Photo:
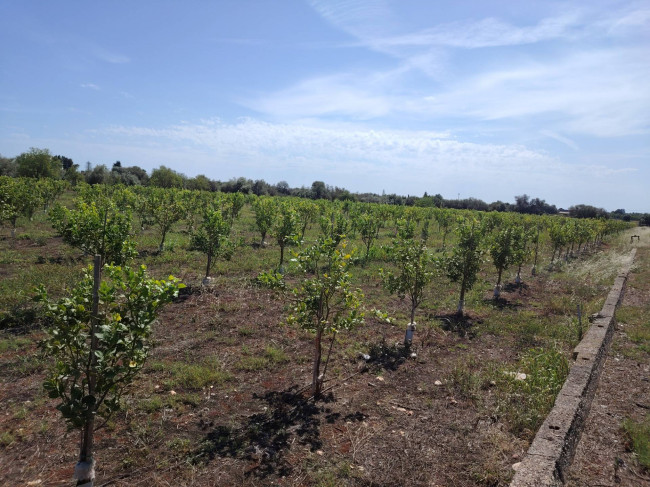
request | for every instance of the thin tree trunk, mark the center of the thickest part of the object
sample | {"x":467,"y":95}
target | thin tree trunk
{"x":461,"y":301}
{"x":207,"y":268}
{"x":84,"y":470}
{"x":497,"y":287}
{"x":316,"y":382}
{"x":162,"y":241}
{"x":329,"y":354}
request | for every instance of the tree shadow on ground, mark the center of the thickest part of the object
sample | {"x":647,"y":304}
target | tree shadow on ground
{"x":388,"y":357}
{"x":511,"y":287}
{"x":501,"y":303}
{"x":265,"y":437}
{"x":461,"y":324}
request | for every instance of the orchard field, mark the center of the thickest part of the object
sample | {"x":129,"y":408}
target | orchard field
{"x":232,"y":391}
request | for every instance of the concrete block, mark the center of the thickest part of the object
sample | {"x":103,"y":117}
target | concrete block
{"x":554,"y":445}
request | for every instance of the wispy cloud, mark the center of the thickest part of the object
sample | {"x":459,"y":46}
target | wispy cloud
{"x":90,"y":86}
{"x":108,"y":56}
{"x":565,"y":140}
{"x":378,"y":154}
{"x":489,"y":32}
{"x":600,"y":93}
{"x":339,"y":95}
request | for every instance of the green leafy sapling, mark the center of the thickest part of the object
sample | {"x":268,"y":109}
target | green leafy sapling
{"x":99,"y":341}
{"x":286,"y":229}
{"x":96,"y":228}
{"x":368,"y":225}
{"x":265,"y":210}
{"x":213,"y":238}
{"x":465,"y":260}
{"x":325,"y":302}
{"x":502,"y":251}
{"x":414,"y":270}
{"x":17,"y":198}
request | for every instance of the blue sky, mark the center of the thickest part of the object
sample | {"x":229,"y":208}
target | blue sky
{"x":484,"y":99}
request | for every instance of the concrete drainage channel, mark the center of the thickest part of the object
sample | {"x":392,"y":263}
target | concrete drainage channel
{"x":553,"y":448}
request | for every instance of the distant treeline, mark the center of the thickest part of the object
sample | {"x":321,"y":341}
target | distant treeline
{"x":40,"y":163}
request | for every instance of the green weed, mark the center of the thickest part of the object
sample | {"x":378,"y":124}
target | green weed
{"x":198,"y":376}
{"x":639,"y":436}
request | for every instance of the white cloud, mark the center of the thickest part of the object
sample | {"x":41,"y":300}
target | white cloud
{"x":489,"y":32}
{"x":390,"y":155}
{"x":91,"y":86}
{"x":600,"y":93}
{"x":329,"y":95}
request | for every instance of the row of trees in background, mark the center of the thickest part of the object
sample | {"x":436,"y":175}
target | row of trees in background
{"x":510,"y":239}
{"x":39,"y":163}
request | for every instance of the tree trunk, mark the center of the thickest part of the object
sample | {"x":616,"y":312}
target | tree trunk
{"x":85,"y":469}
{"x":207,"y":267}
{"x":497,"y":287}
{"x":162,"y":241}
{"x":316,"y":383}
{"x":461,"y":301}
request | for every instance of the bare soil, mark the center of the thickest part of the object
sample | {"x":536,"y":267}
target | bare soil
{"x":388,"y":421}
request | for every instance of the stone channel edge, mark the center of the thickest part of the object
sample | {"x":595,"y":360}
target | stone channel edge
{"x":554,"y":445}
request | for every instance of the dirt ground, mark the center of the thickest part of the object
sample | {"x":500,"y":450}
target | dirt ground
{"x":222,"y":402}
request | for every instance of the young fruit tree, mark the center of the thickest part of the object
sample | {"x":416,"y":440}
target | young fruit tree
{"x":17,"y":198}
{"x":166,"y":207}
{"x":502,"y":251}
{"x":465,"y":260}
{"x":99,"y":341}
{"x":96,"y":229}
{"x":307,"y":212}
{"x":522,"y":235}
{"x":286,"y":229}
{"x":540,"y":224}
{"x":414,"y":271}
{"x":213,"y":238}
{"x":265,"y":210}
{"x":325,"y":303}
{"x":368,"y":225}
{"x":333,"y":224}
{"x":444,"y":218}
